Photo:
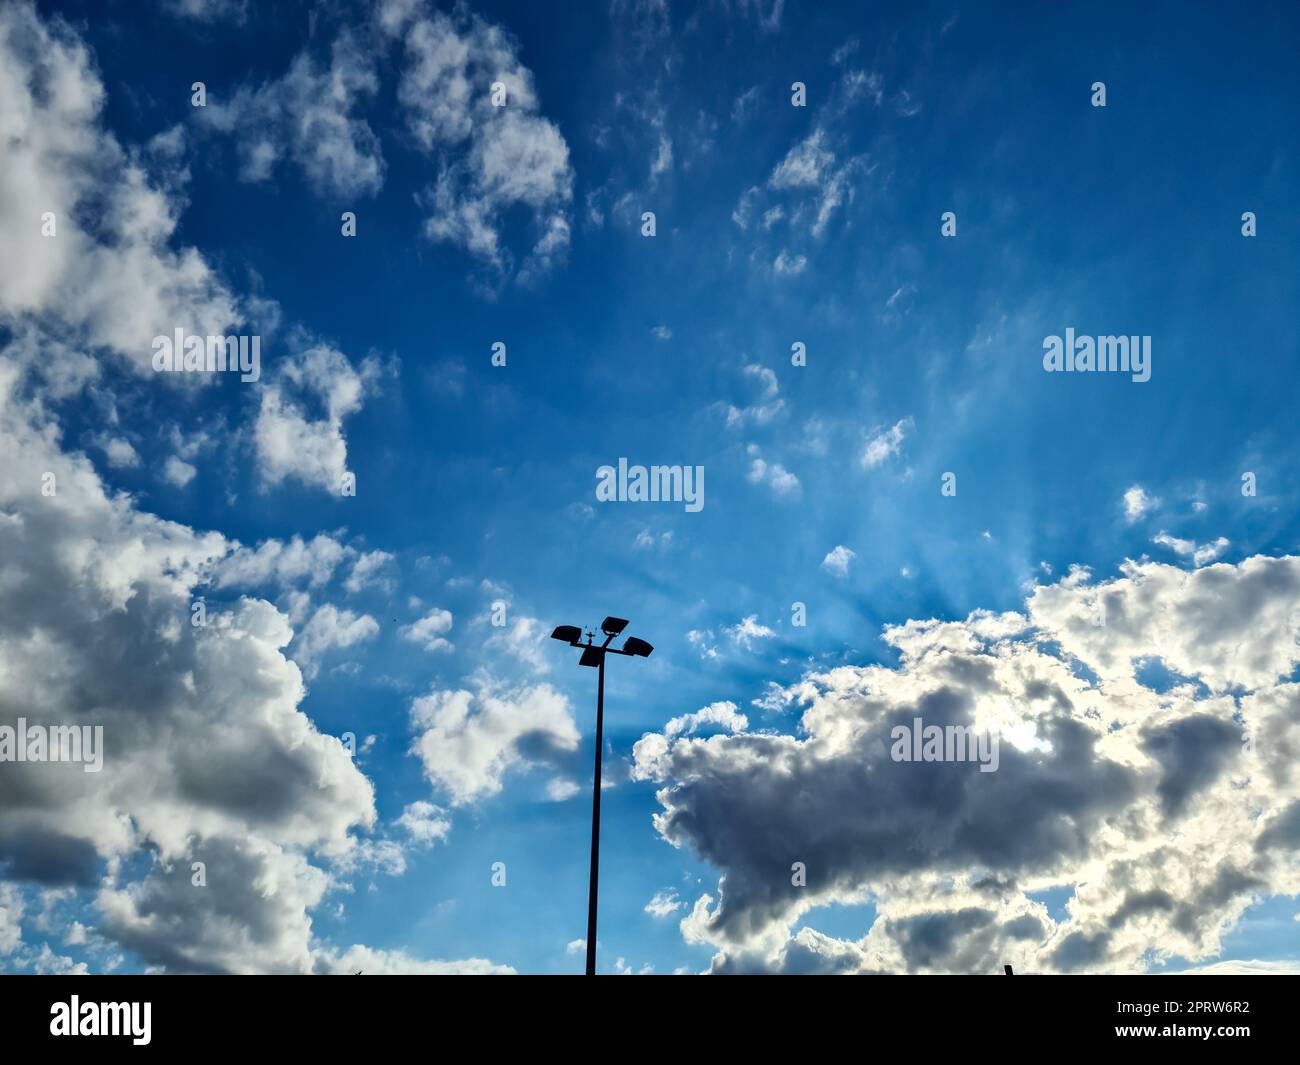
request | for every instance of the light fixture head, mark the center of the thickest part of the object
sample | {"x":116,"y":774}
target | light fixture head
{"x":591,"y":656}
{"x":613,"y":626}
{"x":570,"y":634}
{"x":635,"y":646}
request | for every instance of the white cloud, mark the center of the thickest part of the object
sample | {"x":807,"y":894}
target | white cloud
{"x":651,"y":751}
{"x":421,"y":825}
{"x":647,"y":541}
{"x":115,"y":283}
{"x":120,"y":454}
{"x":1137,"y":503}
{"x":386,"y":857}
{"x":837,"y":560}
{"x":775,"y":699}
{"x":1244,"y":967}
{"x":429,"y":630}
{"x":330,"y":629}
{"x":773,"y":474}
{"x":746,"y":631}
{"x":767,"y":15}
{"x":178,"y":472}
{"x":559,"y":790}
{"x":766,"y":407}
{"x":522,"y":643}
{"x":1200,"y":554}
{"x":805,"y":165}
{"x":210,"y":759}
{"x":649,"y":21}
{"x":1146,"y":804}
{"x":766,"y":379}
{"x":811,"y":183}
{"x":788,"y":264}
{"x":281,"y":562}
{"x":664,"y":903}
{"x":744,"y":209}
{"x":663,"y":159}
{"x":703,"y":641}
{"x":312,"y":115}
{"x":885,"y":445}
{"x":491,"y":160}
{"x":723,"y":715}
{"x":370,"y":961}
{"x":468,"y":740}
{"x":47,"y":963}
{"x":365,"y":572}
{"x":745,"y":104}
{"x":208,"y":753}
{"x":290,"y":444}
{"x":424,"y":823}
{"x":11,"y":918}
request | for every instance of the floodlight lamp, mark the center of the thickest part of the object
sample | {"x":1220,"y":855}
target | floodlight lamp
{"x":570,"y":634}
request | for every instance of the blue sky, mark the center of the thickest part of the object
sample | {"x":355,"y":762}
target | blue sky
{"x":775,"y":225}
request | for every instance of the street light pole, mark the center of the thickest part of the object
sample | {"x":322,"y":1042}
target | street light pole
{"x":595,"y":822}
{"x":593,"y":655}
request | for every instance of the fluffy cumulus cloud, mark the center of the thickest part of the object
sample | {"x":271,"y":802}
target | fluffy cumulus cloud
{"x":467,"y":740}
{"x":429,"y":630}
{"x":120,"y":453}
{"x":109,"y":277}
{"x":207,"y":754}
{"x":327,"y":629}
{"x":424,"y":823}
{"x":11,"y":915}
{"x":367,"y":572}
{"x":650,"y":754}
{"x":281,"y":562}
{"x":1162,"y":809}
{"x":1200,"y":554}
{"x":491,"y":159}
{"x":117,"y":283}
{"x":207,"y":757}
{"x":299,"y":429}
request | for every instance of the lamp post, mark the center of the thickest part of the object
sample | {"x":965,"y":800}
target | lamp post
{"x":594,"y":655}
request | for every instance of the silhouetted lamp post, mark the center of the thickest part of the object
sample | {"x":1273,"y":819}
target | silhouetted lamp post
{"x":593,"y":655}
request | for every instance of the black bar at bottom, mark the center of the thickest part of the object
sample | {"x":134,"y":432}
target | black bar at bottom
{"x":1024,"y":1014}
